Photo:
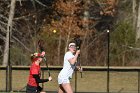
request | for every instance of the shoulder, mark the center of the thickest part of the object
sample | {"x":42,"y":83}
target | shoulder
{"x":68,"y":53}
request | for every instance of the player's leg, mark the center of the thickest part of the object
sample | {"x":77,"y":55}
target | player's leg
{"x":67,"y":87}
{"x":61,"y":89}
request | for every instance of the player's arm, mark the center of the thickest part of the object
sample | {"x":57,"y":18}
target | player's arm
{"x":38,"y":80}
{"x":74,"y":59}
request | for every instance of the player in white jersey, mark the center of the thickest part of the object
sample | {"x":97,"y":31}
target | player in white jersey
{"x":65,"y":74}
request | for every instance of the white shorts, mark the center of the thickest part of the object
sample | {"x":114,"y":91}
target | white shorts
{"x":63,"y":80}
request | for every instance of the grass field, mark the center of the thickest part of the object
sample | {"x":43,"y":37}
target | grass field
{"x":92,"y":81}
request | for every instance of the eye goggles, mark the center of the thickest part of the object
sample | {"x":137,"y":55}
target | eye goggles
{"x":72,"y":46}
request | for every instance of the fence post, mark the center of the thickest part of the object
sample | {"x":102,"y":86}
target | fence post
{"x":8,"y":78}
{"x":108,"y":63}
{"x":75,"y":81}
{"x":138,"y":81}
{"x":43,"y":78}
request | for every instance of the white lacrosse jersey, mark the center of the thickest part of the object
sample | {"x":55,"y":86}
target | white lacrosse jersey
{"x":68,"y":68}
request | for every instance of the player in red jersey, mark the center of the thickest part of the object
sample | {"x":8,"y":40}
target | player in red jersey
{"x":34,"y":77}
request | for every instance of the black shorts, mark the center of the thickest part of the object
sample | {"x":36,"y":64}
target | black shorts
{"x":32,"y":89}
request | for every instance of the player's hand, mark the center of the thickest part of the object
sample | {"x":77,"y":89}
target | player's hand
{"x":80,"y":69}
{"x":50,"y":78}
{"x":43,"y":53}
{"x":77,"y":52}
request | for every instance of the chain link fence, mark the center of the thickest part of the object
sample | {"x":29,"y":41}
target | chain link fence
{"x":94,"y":80}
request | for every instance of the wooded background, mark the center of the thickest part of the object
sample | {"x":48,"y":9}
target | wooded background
{"x":27,"y":21}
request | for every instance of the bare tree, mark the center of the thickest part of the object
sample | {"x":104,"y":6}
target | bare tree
{"x":9,"y":29}
{"x":134,"y":8}
{"x":138,"y":23}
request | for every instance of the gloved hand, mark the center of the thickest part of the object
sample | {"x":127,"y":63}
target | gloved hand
{"x":80,"y":69}
{"x":50,"y":78}
{"x":43,"y":53}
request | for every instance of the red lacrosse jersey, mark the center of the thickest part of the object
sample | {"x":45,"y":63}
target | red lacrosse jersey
{"x":34,"y":69}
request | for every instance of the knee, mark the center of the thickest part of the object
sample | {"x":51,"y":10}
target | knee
{"x":70,"y":92}
{"x":43,"y":92}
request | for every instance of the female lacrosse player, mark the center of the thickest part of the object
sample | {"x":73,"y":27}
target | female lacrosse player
{"x":68,"y":68}
{"x":34,"y":77}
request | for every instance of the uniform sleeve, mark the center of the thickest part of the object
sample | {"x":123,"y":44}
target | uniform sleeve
{"x":69,"y":55}
{"x":38,"y":80}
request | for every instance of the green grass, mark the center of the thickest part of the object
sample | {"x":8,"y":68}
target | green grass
{"x":91,"y":81}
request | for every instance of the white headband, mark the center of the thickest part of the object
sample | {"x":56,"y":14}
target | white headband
{"x":71,"y":44}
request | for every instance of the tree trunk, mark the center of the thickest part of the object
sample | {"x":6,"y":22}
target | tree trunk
{"x":59,"y":49}
{"x":86,"y":26}
{"x":9,"y":29}
{"x":138,"y":23}
{"x":68,"y":36}
{"x":134,"y":14}
{"x":67,"y":40}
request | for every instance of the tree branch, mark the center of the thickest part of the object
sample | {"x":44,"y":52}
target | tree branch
{"x":21,"y":43}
